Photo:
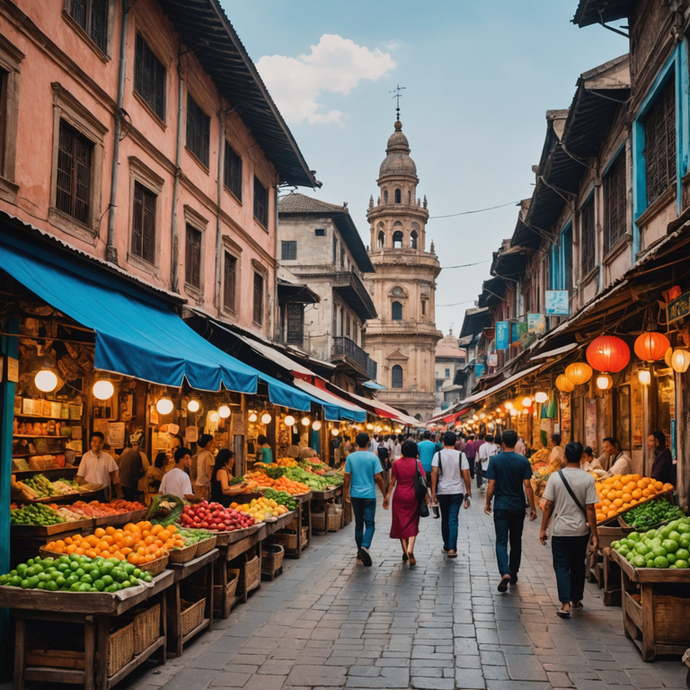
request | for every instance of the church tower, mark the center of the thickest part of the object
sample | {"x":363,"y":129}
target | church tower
{"x":402,"y":339}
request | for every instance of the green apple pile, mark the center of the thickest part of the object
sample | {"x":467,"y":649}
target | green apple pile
{"x":667,"y":547}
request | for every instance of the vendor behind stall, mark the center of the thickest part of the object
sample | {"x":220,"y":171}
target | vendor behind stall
{"x":263,"y":452}
{"x":98,"y":467}
{"x":133,"y":465}
{"x":204,"y":466}
{"x":221,"y":489}
{"x":177,"y":481}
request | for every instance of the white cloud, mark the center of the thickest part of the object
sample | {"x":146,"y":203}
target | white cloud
{"x":335,"y":65}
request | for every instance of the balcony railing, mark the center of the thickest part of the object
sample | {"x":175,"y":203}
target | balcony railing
{"x":346,"y":349}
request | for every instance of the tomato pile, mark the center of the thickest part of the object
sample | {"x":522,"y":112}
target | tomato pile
{"x":214,"y":516}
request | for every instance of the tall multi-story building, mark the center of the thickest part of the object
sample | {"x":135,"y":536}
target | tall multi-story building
{"x":402,"y":338}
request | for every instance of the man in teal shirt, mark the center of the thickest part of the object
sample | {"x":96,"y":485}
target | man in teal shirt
{"x":363,"y":473}
{"x":426,"y":450}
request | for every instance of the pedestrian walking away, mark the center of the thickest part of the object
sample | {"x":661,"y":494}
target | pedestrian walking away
{"x":426,"y":449}
{"x":451,"y":484}
{"x":363,"y":474}
{"x":487,"y":450}
{"x":405,"y":517}
{"x":470,"y":453}
{"x":570,"y":496}
{"x":509,"y":476}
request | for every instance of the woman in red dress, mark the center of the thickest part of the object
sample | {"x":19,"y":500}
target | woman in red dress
{"x":405,"y":524}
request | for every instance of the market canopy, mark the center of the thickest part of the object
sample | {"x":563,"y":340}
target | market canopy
{"x":134,"y":337}
{"x":335,"y":408}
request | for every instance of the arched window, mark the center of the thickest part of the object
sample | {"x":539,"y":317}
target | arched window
{"x":385,"y":196}
{"x":397,"y":311}
{"x":398,"y":196}
{"x":381,"y":240}
{"x":409,"y":198}
{"x":397,"y":377}
{"x":413,"y":239}
{"x":397,"y":239}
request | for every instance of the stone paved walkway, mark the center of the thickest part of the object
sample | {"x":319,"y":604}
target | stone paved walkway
{"x":328,"y":622}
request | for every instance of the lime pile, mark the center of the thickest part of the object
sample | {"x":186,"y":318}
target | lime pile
{"x":667,"y":547}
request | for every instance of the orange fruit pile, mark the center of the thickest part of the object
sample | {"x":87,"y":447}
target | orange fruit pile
{"x":622,"y":492}
{"x":138,"y":543}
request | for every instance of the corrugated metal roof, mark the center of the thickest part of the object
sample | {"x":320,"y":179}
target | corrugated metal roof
{"x":205,"y":29}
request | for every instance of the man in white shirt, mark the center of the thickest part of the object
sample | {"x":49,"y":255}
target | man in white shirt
{"x":619,"y":462}
{"x":177,"y":482}
{"x":450,"y":481}
{"x":486,"y":451}
{"x":99,"y":467}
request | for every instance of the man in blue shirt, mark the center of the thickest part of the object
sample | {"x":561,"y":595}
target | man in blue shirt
{"x":363,"y":473}
{"x":509,"y":476}
{"x":426,"y":450}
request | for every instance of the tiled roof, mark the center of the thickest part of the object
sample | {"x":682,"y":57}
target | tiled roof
{"x":300,"y":203}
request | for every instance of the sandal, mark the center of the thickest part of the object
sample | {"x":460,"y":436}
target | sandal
{"x":503,"y":584}
{"x":563,"y":614}
{"x":452,"y":554}
{"x":577,"y":607}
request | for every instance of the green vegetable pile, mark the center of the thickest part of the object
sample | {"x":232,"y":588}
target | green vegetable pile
{"x":667,"y":547}
{"x":165,"y":509}
{"x":314,"y":482}
{"x":274,"y":471}
{"x":652,"y":514}
{"x":36,"y":514}
{"x":236,"y":480}
{"x":75,"y":574}
{"x":281,"y":497}
{"x":193,"y":536}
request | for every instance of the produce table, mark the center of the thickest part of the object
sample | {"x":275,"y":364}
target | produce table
{"x":659,"y":623}
{"x":181,"y":571}
{"x":321,"y":499}
{"x":93,"y":610}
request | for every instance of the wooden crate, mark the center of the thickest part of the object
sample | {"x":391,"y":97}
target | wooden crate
{"x":55,"y":658}
{"x":612,"y":579}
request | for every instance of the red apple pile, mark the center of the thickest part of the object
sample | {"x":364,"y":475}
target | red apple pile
{"x":214,"y":517}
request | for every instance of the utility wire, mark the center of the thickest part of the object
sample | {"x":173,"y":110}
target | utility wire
{"x":479,"y":210}
{"x":476,"y":263}
{"x":455,"y":304}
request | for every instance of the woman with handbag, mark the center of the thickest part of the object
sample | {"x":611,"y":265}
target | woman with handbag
{"x":570,"y":499}
{"x":409,"y":500}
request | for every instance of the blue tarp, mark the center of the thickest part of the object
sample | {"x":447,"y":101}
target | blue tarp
{"x":140,"y":338}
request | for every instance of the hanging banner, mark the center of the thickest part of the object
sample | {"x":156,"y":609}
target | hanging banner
{"x":493,"y":359}
{"x":479,"y":370}
{"x":556,"y":303}
{"x":519,"y":329}
{"x":678,"y":308}
{"x":536,"y":323}
{"x":502,"y":335}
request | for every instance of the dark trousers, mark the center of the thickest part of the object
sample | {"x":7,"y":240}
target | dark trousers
{"x":509,"y":524}
{"x":450,"y":510}
{"x":130,"y":494}
{"x":471,"y":462}
{"x":478,"y":473}
{"x":364,"y":511}
{"x":569,"y":555}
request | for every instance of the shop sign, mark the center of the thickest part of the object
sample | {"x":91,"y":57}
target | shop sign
{"x":556,"y":303}
{"x":678,"y":308}
{"x":479,"y":370}
{"x":536,"y":323}
{"x":493,"y":359}
{"x":116,"y":434}
{"x":12,"y":370}
{"x":502,"y":335}
{"x":519,"y":329}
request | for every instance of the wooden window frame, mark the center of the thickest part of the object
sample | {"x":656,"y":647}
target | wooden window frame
{"x":140,"y":173}
{"x":231,"y":248}
{"x":227,"y":306}
{"x":588,"y":238}
{"x":10,"y":57}
{"x":260,"y":307}
{"x":194,"y":220}
{"x":261,"y":210}
{"x":393,"y":310}
{"x":104,"y":49}
{"x":194,"y":112}
{"x":143,"y":201}
{"x":189,"y":232}
{"x":293,"y":306}
{"x":660,"y":146}
{"x":395,"y":369}
{"x":140,"y":77}
{"x":615,"y":191}
{"x":288,"y":250}
{"x":233,"y":183}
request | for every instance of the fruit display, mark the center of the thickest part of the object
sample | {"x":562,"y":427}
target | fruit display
{"x":75,"y":573}
{"x":214,"y":517}
{"x":652,"y":514}
{"x":667,"y":547}
{"x":165,"y":509}
{"x":314,"y":482}
{"x":39,"y":486}
{"x":258,"y":481}
{"x":192,"y":536}
{"x":138,"y":543}
{"x":621,"y":492}
{"x":36,"y":514}
{"x":286,"y":462}
{"x":261,"y":509}
{"x":281,"y":497}
{"x":274,"y":471}
{"x":126,"y":506}
{"x":94,"y":509}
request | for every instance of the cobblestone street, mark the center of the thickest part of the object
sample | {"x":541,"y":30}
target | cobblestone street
{"x":327,"y":622}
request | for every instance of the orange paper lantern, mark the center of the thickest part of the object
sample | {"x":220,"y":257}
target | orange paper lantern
{"x":608,"y":353}
{"x":564,"y":384}
{"x":578,"y":373}
{"x":651,"y":346}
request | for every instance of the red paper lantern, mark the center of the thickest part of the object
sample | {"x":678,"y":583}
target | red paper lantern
{"x":651,"y":346}
{"x":608,"y":353}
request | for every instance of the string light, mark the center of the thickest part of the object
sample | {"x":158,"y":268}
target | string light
{"x":193,"y":405}
{"x":266,"y":418}
{"x":316,"y":425}
{"x":289,"y":420}
{"x":164,"y":406}
{"x":103,"y":390}
{"x":306,"y":421}
{"x":46,"y":380}
{"x":223,"y":411}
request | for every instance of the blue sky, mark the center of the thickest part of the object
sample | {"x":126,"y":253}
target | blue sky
{"x":479,"y":78}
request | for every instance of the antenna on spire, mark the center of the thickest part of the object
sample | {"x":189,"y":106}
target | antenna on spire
{"x":397,"y":97}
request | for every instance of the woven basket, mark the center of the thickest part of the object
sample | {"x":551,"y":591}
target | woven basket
{"x":120,"y":648}
{"x":185,"y":554}
{"x":147,"y":625}
{"x":289,"y":541}
{"x":305,"y":538}
{"x":220,"y":597}
{"x":272,"y":559}
{"x":318,"y":521}
{"x":206,"y":545}
{"x":192,"y":615}
{"x":251,"y":574}
{"x":155,"y":567}
{"x":335,"y":517}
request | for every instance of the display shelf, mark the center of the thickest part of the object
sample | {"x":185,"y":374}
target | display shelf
{"x":39,"y":436}
{"x":42,"y":416}
{"x":86,"y":496}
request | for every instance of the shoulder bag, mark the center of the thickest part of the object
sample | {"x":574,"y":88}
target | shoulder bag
{"x":420,"y":490}
{"x":572,"y":493}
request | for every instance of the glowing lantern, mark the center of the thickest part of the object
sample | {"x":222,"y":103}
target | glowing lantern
{"x":213,"y":417}
{"x":482,"y":415}
{"x":578,"y":373}
{"x":165,"y":406}
{"x":608,"y":353}
{"x":46,"y":380}
{"x":680,"y":360}
{"x":514,"y":413}
{"x":527,"y":401}
{"x":266,"y":418}
{"x":667,"y":356}
{"x":517,"y":405}
{"x":289,"y":420}
{"x":193,"y":405}
{"x":651,"y":346}
{"x":316,"y":425}
{"x":223,"y":411}
{"x":335,"y":432}
{"x":644,"y":376}
{"x":604,"y":382}
{"x":306,"y":421}
{"x":252,"y":417}
{"x":103,"y":390}
{"x":508,"y":404}
{"x":541,"y":397}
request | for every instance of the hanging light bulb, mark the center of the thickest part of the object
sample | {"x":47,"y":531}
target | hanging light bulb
{"x":316,"y":425}
{"x":165,"y":406}
{"x":527,"y":401}
{"x":644,"y":376}
{"x":514,"y":413}
{"x":266,"y":418}
{"x":370,"y":426}
{"x":508,"y":404}
{"x":335,"y":432}
{"x":475,"y":417}
{"x":482,"y":415}
{"x":289,"y":420}
{"x":525,"y":411}
{"x":498,"y":410}
{"x":103,"y":390}
{"x":604,"y":382}
{"x":306,"y":421}
{"x":46,"y":380}
{"x":541,"y":397}
{"x":193,"y":405}
{"x":223,"y":411}
{"x":213,"y":417}
{"x":253,"y":417}
{"x":377,"y":429}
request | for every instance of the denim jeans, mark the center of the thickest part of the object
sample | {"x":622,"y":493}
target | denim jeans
{"x":509,"y":524}
{"x":364,"y":510}
{"x":450,"y":508}
{"x":569,"y":555}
